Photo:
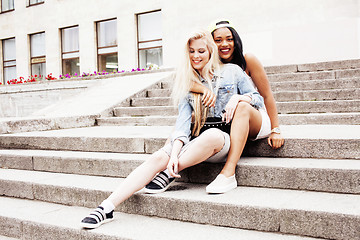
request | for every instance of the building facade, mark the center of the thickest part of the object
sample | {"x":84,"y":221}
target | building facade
{"x":39,"y":37}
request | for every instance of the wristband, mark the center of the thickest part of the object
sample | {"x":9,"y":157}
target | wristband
{"x":276,"y":130}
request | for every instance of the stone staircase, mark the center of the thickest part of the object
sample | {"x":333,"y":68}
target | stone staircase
{"x":327,"y":95}
{"x":310,"y":188}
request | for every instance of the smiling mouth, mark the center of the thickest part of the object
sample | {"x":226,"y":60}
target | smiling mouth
{"x":225,"y":51}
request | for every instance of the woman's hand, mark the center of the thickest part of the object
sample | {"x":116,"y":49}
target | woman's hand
{"x":173,"y":167}
{"x":232,"y":105}
{"x":208,"y":98}
{"x":276,"y":140}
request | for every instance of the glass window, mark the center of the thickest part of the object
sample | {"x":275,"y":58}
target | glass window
{"x":70,"y":39}
{"x":70,"y":50}
{"x":149,"y":39}
{"x":107,"y":45}
{"x":71,"y":66}
{"x":37,"y":54}
{"x":106,"y":33}
{"x":9,"y":59}
{"x":37,"y":45}
{"x":150,"y":56}
{"x":7,"y":5}
{"x":35,"y":2}
{"x":149,"y":26}
{"x":9,"y":49}
{"x":108,"y":62}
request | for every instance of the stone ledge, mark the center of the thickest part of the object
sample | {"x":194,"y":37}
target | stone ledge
{"x":303,"y":141}
{"x":29,"y":124}
{"x":326,"y":175}
{"x":313,"y":67}
{"x":247,"y":208}
{"x":44,"y":221}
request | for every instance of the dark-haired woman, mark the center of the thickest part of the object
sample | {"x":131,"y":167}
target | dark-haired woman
{"x":255,"y":125}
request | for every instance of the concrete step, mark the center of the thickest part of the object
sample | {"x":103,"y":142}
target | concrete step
{"x":280,"y":96}
{"x":138,"y":121}
{"x":338,"y":106}
{"x":326,"y":84}
{"x":26,"y":124}
{"x":151,"y":101}
{"x":44,"y":221}
{"x":303,"y":141}
{"x":313,"y":67}
{"x":7,"y":238}
{"x":329,"y":106}
{"x":320,"y":118}
{"x":326,"y":215}
{"x":326,"y":175}
{"x":332,"y":65}
{"x":302,"y":76}
{"x":285,"y":119}
{"x":348,"y":73}
{"x":318,"y":95}
{"x":145,"y":111}
{"x":166,"y":92}
{"x":318,"y":75}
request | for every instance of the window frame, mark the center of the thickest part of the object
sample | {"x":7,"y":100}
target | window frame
{"x":6,"y":11}
{"x":3,"y":58}
{"x":98,"y":55}
{"x":28,"y":4}
{"x":62,"y":49}
{"x":146,"y":41}
{"x":42,"y":58}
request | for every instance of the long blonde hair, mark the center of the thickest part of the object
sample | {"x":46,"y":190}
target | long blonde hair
{"x":187,"y":75}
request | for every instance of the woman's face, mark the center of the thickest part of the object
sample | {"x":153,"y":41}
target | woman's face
{"x":225,"y":43}
{"x":199,"y":54}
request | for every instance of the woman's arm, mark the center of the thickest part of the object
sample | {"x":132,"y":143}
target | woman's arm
{"x":183,"y":123}
{"x":233,"y":74}
{"x":173,"y":165}
{"x":209,"y":98}
{"x":257,"y":73}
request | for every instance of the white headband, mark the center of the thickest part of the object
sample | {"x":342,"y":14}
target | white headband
{"x":215,"y":26}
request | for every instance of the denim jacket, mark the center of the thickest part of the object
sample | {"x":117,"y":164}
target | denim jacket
{"x":231,"y":80}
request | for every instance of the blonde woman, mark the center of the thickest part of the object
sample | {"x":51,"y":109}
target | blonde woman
{"x":247,"y":123}
{"x":189,"y":145}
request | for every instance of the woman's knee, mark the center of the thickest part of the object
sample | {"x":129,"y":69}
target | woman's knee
{"x":158,"y":158}
{"x":214,"y":137}
{"x":242,"y":109}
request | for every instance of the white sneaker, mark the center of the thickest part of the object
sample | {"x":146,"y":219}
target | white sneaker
{"x":222,"y":184}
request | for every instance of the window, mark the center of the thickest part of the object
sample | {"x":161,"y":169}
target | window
{"x":35,"y":2}
{"x":37,"y":54}
{"x":9,"y":59}
{"x":70,"y":50}
{"x":149,"y":39}
{"x":107,"y":46}
{"x":7,"y":5}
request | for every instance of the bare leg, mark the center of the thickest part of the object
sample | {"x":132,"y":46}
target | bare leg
{"x":207,"y":144}
{"x":139,"y":177}
{"x":134,"y":182}
{"x":246,"y":122}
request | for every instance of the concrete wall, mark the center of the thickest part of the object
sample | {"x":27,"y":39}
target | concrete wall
{"x":277,"y":31}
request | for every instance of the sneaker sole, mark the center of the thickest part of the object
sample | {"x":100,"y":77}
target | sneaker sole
{"x":154,"y":191}
{"x":223,"y":189}
{"x":93,"y":226}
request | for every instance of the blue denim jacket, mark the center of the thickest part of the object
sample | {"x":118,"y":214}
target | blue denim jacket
{"x":231,"y":80}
